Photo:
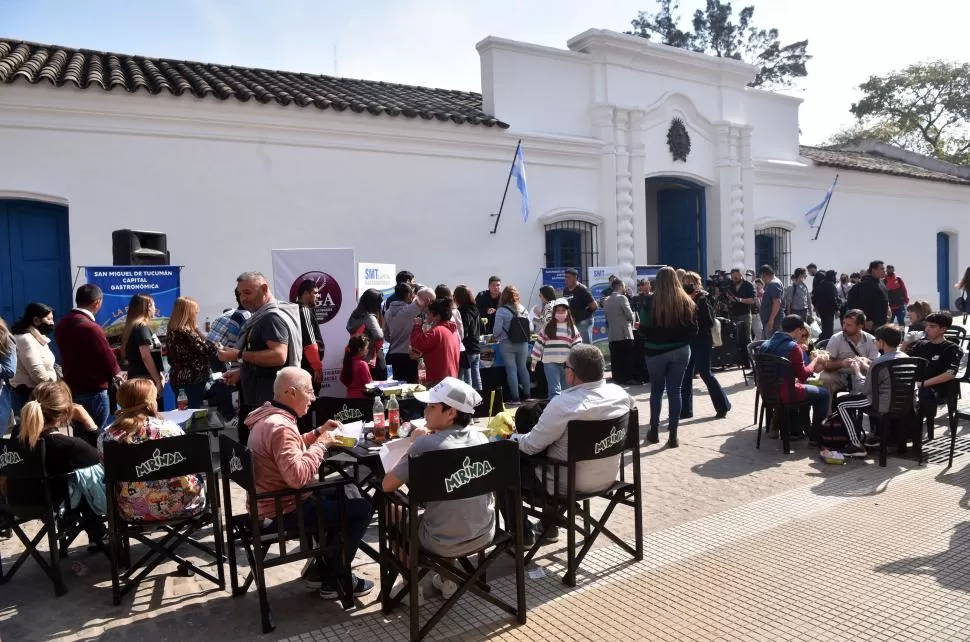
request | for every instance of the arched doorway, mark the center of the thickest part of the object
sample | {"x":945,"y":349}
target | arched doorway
{"x":677,"y":219}
{"x":35,"y":262}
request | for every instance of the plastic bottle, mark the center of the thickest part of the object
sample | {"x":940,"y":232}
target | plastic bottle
{"x":422,"y":373}
{"x":379,"y":425}
{"x":208,"y":325}
{"x":183,"y":400}
{"x":393,"y":417}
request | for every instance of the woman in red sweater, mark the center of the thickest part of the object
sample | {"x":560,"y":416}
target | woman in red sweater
{"x":439,"y":346}
{"x":356,"y":371}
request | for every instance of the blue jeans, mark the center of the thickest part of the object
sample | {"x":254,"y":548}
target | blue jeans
{"x":516,"y":357}
{"x":900,"y":316}
{"x":359,"y":512}
{"x":585,"y":327}
{"x":818,"y":397}
{"x":472,"y":375}
{"x":97,"y":406}
{"x":555,"y":378}
{"x":700,"y":361}
{"x":667,"y":372}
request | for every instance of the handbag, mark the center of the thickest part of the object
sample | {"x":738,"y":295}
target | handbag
{"x":716,"y":333}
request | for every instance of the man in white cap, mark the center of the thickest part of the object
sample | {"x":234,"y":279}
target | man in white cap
{"x":457,"y":527}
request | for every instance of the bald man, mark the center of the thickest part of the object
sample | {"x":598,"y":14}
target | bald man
{"x":264,"y":346}
{"x":283,"y":458}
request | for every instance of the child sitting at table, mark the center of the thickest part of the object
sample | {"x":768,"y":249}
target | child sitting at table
{"x":356,"y":373}
{"x":461,"y":526}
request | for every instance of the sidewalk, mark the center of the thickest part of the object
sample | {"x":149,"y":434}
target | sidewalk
{"x":741,"y":544}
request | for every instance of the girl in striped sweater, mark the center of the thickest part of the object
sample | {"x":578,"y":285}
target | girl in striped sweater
{"x":553,"y":345}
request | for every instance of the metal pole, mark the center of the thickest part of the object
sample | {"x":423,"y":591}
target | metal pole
{"x":498,"y":215}
{"x":818,"y":230}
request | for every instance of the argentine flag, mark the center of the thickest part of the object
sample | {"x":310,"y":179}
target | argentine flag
{"x":812,"y":215}
{"x":518,"y":171}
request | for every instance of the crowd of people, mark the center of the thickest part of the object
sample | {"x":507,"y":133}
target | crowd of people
{"x":664,"y":333}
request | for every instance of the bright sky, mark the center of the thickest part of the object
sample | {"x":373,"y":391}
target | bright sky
{"x":432,"y":42}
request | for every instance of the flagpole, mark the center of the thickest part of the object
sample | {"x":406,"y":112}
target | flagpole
{"x":498,"y":215}
{"x":818,"y":230}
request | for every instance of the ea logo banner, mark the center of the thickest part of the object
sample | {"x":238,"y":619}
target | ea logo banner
{"x":330,"y":295}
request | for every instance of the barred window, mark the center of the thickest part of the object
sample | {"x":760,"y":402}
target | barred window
{"x":772,"y":246}
{"x":572,"y":244}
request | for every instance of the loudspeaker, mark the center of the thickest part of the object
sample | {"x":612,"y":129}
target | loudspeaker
{"x":727,"y":354}
{"x":132,"y":247}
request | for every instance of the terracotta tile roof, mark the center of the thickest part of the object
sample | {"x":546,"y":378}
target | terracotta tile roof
{"x":60,"y":66}
{"x":864,"y":161}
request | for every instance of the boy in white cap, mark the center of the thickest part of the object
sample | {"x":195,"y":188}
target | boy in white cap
{"x":457,"y":527}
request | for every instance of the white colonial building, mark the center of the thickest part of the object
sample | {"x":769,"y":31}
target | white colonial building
{"x":636,"y":153}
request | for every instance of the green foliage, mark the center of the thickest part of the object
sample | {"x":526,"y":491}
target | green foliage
{"x":714,"y":33}
{"x":924,"y":108}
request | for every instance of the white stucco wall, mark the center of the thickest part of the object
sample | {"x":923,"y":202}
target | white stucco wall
{"x":870,"y":217}
{"x":229,"y":182}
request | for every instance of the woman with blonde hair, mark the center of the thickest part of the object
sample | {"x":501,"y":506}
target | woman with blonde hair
{"x":138,"y":421}
{"x":670,"y":329}
{"x":8,"y":368}
{"x":701,"y":348}
{"x":139,"y":343}
{"x":189,"y":352}
{"x":510,"y":324}
{"x":48,"y":418}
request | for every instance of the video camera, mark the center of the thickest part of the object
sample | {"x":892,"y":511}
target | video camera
{"x":718,"y":282}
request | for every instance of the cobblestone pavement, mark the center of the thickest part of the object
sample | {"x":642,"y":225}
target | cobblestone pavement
{"x":741,"y":544}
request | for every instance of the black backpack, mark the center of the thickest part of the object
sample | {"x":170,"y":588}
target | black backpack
{"x":519,"y":331}
{"x":527,"y":415}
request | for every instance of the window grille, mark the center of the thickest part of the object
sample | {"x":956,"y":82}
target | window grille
{"x":572,"y":244}
{"x":773,"y":247}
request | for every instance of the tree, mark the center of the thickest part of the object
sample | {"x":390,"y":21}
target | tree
{"x":715,"y":34}
{"x":924,"y":108}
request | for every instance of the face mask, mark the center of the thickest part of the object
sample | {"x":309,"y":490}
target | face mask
{"x":45,"y":328}
{"x":689,"y":289}
{"x":561,"y":317}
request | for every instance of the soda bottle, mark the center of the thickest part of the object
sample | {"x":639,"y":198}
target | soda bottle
{"x":183,"y":400}
{"x":422,"y":373}
{"x":393,"y":417}
{"x":379,"y":425}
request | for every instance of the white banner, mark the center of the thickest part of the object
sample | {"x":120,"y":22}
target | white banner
{"x":380,"y":276}
{"x":599,"y":287}
{"x":332,"y":269}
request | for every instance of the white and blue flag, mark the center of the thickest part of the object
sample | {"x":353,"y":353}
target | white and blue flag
{"x":518,"y":171}
{"x":813,"y":214}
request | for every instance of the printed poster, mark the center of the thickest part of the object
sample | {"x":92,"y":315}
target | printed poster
{"x":119,"y":282}
{"x":556,"y":277}
{"x":599,"y":287}
{"x":334,"y":272}
{"x":379,"y":276}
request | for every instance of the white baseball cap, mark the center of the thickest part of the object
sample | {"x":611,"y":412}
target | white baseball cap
{"x":452,"y":392}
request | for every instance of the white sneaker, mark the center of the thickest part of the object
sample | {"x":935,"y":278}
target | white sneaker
{"x":447,"y":587}
{"x":399,"y":586}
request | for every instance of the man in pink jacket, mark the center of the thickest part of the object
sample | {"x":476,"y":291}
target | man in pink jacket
{"x":283,"y":458}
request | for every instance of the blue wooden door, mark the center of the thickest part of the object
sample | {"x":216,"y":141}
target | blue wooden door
{"x":35,"y":262}
{"x":764,"y":251}
{"x":943,"y":269}
{"x":680,"y":226}
{"x":564,"y":249}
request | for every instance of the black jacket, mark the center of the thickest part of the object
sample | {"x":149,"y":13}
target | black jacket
{"x":871,"y":296}
{"x":470,"y":319}
{"x":825,"y":297}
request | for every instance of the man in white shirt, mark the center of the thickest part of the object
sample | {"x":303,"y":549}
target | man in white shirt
{"x":852,"y":344}
{"x":588,"y":397}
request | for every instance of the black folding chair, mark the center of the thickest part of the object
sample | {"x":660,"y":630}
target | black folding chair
{"x":900,"y":417}
{"x":544,"y":498}
{"x":341,"y":409}
{"x":754,"y":348}
{"x":23,"y":474}
{"x":772,"y":373}
{"x":159,"y":460}
{"x":442,"y":476}
{"x":247,"y":528}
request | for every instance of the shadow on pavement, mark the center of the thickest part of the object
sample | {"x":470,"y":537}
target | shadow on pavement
{"x":948,"y":567}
